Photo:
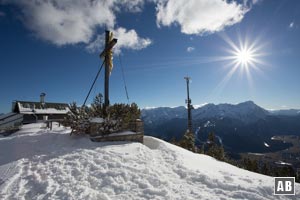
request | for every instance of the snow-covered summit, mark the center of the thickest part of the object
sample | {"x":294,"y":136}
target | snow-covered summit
{"x":36,"y":163}
{"x":247,"y":112}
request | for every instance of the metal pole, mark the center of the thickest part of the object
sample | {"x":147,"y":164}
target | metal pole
{"x":189,"y":107}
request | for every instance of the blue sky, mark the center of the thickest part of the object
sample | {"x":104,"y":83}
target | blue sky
{"x":53,"y":47}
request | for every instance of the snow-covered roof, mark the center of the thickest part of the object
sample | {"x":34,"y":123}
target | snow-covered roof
{"x":27,"y":107}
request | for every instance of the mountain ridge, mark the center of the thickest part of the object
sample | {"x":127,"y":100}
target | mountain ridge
{"x":237,"y":111}
{"x":246,"y":111}
{"x":243,"y":127}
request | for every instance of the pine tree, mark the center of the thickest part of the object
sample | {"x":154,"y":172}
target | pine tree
{"x":211,"y":138}
{"x":173,"y":141}
{"x":250,"y":165}
{"x":73,"y":107}
{"x":78,"y":119}
{"x":216,"y":152}
{"x":119,"y":116}
{"x":97,"y":106}
{"x":213,"y":149}
{"x":188,"y":141}
{"x":135,"y":112}
{"x":69,"y":120}
{"x":265,"y":169}
{"x":124,"y":113}
{"x":254,"y":166}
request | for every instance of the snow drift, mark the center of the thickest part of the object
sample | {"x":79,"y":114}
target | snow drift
{"x":36,"y":163}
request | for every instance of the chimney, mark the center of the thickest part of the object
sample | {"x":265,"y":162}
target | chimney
{"x":42,"y":98}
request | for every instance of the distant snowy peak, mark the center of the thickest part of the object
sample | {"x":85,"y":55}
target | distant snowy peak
{"x":247,"y":112}
{"x":289,"y":112}
{"x":162,"y":113}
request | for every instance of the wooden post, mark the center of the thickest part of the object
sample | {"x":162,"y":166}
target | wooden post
{"x":107,"y":72}
{"x":107,"y":55}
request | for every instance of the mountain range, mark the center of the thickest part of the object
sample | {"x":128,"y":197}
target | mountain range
{"x":241,"y":127}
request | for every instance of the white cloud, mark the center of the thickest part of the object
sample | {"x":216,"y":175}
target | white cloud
{"x":250,"y":3}
{"x":291,"y":25}
{"x":63,"y":22}
{"x":256,"y":1}
{"x":190,"y":49}
{"x":199,"y":16}
{"x":97,"y":45}
{"x":127,"y":39}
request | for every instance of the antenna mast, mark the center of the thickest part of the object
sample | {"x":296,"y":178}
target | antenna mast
{"x":188,"y":101}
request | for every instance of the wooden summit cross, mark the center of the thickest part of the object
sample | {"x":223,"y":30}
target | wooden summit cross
{"x":133,"y":130}
{"x":106,"y":54}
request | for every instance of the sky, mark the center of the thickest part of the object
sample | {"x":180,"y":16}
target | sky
{"x":234,"y":51}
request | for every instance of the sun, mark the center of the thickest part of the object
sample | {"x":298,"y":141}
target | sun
{"x":244,"y":57}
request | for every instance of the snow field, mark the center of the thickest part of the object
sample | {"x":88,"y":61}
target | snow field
{"x":36,"y":163}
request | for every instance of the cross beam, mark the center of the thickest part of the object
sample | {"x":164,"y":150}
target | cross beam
{"x":109,"y":47}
